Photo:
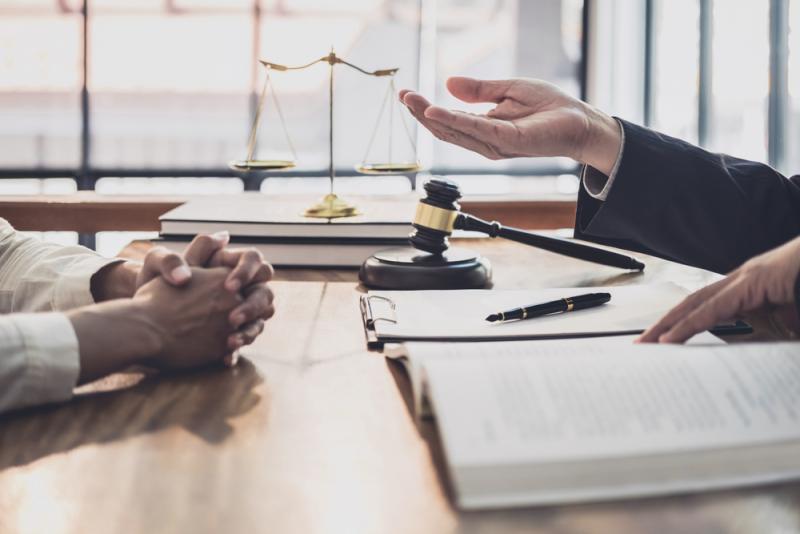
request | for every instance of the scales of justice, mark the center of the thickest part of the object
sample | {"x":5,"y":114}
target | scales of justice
{"x":331,"y":206}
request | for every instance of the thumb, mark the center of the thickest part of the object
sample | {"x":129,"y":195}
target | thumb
{"x":162,"y":262}
{"x":472,"y":90}
{"x":203,"y":247}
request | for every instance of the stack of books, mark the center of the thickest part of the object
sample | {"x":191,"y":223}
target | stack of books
{"x":276,"y":226}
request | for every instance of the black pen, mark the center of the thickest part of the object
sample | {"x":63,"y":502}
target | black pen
{"x":579,"y":302}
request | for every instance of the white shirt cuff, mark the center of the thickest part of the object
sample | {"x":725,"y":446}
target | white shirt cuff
{"x":73,"y":288}
{"x":40,"y":359}
{"x":596,"y":184}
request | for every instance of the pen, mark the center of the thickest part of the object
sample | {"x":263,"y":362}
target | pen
{"x":579,"y":302}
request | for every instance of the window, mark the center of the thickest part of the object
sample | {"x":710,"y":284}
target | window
{"x":171,"y":85}
{"x":675,"y":55}
{"x":156,"y":96}
{"x":740,"y":48}
{"x":40,"y":85}
{"x":725,"y":74}
{"x":792,"y":156}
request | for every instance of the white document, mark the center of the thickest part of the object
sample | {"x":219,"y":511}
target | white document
{"x":423,"y":350}
{"x":534,"y":422}
{"x":461,"y":315}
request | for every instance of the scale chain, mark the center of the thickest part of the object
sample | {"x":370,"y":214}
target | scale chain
{"x":386,"y":98}
{"x":281,"y":118}
{"x":251,"y":144}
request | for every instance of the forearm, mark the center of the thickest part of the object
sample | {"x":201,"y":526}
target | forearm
{"x":39,"y":361}
{"x":36,"y":276}
{"x":683,"y":203}
{"x":112,"y":336}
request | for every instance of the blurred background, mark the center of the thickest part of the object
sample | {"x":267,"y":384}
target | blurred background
{"x":156,"y":96}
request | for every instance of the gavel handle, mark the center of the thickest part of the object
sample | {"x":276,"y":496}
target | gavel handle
{"x":553,"y":244}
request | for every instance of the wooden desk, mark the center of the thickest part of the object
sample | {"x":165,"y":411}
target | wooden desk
{"x":310,"y":433}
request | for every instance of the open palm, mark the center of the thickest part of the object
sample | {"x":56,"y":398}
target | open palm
{"x":532,"y":118}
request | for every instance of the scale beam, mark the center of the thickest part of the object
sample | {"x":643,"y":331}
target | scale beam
{"x":330,"y":59}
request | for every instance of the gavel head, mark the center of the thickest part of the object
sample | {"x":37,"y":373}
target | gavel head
{"x":435,"y":217}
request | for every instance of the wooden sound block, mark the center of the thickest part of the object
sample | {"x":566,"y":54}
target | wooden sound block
{"x":409,"y":268}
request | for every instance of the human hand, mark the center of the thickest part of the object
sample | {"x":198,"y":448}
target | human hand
{"x":766,"y":280}
{"x":249,"y":274}
{"x":174,"y":267}
{"x":190,"y":324}
{"x":121,"y":279}
{"x":532,"y":118}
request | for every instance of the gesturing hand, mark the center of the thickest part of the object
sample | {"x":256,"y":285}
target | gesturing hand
{"x":532,"y":118}
{"x":765,"y":280}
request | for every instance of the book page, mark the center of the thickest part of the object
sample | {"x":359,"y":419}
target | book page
{"x":528,"y":401}
{"x":461,"y":315}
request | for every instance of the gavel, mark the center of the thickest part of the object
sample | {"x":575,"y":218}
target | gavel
{"x":439,"y":213}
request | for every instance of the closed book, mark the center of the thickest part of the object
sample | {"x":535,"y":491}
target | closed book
{"x":260,"y":215}
{"x":301,"y":252}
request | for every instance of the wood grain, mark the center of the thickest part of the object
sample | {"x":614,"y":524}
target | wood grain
{"x":86,"y":212}
{"x":311,"y":433}
{"x":90,"y":212}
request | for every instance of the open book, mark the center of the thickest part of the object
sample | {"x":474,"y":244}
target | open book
{"x":543,"y":422}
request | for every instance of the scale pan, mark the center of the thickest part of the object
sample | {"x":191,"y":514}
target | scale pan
{"x":388,"y":168}
{"x":261,"y":164}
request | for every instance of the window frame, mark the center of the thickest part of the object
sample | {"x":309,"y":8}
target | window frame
{"x":778,"y":96}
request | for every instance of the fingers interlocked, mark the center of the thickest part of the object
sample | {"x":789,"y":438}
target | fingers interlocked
{"x":249,"y":274}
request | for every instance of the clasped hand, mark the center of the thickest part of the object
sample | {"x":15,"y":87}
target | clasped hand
{"x":249,"y":274}
{"x":174,"y":311}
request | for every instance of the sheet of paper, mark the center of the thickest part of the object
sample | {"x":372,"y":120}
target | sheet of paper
{"x":462,"y":314}
{"x":531,"y":401}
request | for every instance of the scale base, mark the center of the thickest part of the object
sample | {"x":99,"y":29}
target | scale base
{"x":331,"y":207}
{"x":409,"y":268}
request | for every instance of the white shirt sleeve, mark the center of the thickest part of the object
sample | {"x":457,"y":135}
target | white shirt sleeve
{"x":39,"y":356}
{"x":39,"y":359}
{"x":595,"y":182}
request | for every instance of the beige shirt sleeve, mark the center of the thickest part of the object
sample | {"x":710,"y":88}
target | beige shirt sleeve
{"x":595,"y":182}
{"x":39,"y":358}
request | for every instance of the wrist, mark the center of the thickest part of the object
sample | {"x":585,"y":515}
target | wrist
{"x":114,"y":335}
{"x":602,"y":142}
{"x":150,"y":335}
{"x":115,"y":281}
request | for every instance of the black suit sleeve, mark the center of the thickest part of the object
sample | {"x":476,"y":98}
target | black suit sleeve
{"x":677,"y":201}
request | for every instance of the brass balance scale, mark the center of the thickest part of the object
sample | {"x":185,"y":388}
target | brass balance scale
{"x":331,"y":206}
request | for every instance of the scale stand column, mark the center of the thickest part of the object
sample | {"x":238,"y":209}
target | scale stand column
{"x":331,"y":206}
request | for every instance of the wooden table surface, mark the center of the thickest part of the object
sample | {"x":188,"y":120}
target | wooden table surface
{"x":311,"y":433}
